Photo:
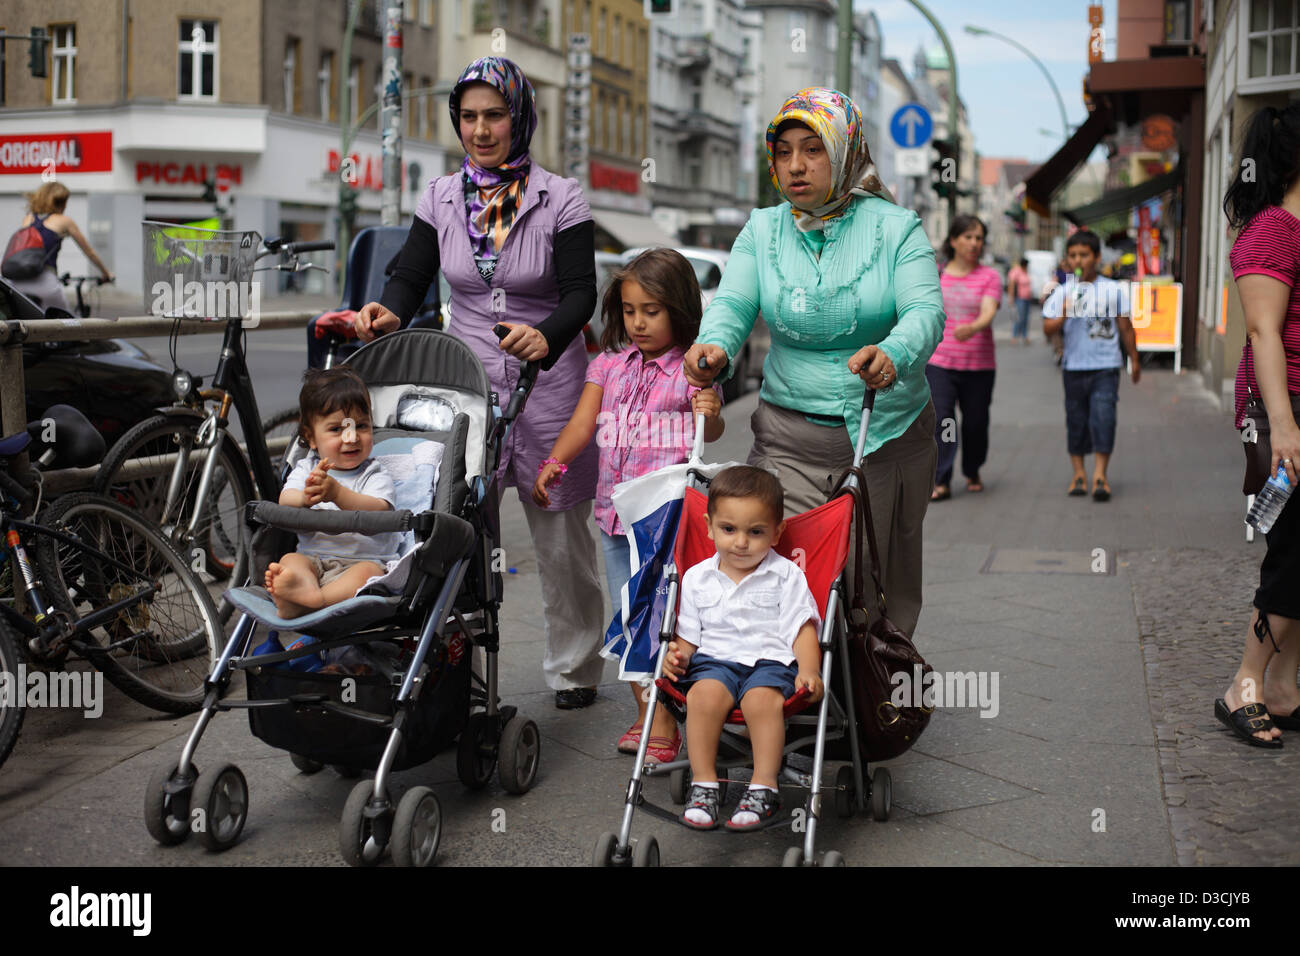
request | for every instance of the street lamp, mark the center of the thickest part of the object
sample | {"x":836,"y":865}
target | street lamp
{"x":980,"y":32}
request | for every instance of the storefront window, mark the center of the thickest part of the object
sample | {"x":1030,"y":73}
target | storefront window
{"x":198,"y":60}
{"x":325,"y":86}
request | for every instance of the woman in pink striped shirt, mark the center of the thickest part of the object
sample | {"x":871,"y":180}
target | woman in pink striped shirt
{"x":1264,"y":203}
{"x":962,"y":368}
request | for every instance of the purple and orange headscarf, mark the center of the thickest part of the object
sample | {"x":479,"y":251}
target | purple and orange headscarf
{"x":834,"y":117}
{"x":493,"y":196}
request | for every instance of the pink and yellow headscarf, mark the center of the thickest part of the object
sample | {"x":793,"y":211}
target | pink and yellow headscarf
{"x":834,"y":117}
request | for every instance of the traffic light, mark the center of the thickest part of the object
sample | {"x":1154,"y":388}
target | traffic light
{"x":658,"y":7}
{"x":944,"y":168}
{"x":209,"y":191}
{"x":36,"y":48}
{"x":347,"y":203}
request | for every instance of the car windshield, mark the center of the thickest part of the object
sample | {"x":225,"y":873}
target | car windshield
{"x":707,"y":273}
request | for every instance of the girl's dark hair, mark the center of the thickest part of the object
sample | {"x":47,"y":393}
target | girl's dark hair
{"x":328,"y":390}
{"x":669,"y":279}
{"x":959,"y":226}
{"x":1268,"y":165}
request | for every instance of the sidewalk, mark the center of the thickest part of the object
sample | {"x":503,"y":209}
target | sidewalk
{"x":1111,"y":628}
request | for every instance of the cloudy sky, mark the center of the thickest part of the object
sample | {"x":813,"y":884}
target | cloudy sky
{"x":1006,"y":96}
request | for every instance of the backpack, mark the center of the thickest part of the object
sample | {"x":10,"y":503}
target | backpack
{"x":25,"y":256}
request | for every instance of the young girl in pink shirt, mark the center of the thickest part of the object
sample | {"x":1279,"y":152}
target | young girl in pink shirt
{"x":640,"y":409}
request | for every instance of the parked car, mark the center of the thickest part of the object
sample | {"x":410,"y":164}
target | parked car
{"x":114,"y":383}
{"x":1042,"y":270}
{"x":709,"y":265}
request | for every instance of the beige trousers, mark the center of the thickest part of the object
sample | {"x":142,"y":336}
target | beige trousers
{"x":809,"y":460}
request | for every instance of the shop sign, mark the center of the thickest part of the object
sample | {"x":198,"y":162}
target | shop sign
{"x":619,"y":180}
{"x":362,"y":172}
{"x":61,"y":152}
{"x":187,"y":174}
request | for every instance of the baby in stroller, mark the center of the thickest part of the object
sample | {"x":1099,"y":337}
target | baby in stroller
{"x":328,"y":568}
{"x":747,"y":633}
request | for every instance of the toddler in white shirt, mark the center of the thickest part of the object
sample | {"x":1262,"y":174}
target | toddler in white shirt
{"x":747,"y":632}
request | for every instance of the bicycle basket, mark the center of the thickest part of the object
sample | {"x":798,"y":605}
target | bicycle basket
{"x":192,"y":273}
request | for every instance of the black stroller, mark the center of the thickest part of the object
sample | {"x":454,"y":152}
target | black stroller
{"x":429,"y":392}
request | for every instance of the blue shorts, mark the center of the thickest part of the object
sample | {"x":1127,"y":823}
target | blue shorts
{"x":740,"y":678}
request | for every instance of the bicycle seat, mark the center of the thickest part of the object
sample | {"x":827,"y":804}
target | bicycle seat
{"x":75,"y":441}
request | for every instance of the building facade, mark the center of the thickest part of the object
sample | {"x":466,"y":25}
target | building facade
{"x":150,"y":103}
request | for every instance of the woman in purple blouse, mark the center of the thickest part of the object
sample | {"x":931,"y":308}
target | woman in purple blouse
{"x":517,"y":246}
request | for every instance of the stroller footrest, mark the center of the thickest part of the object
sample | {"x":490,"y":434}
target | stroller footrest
{"x":796,"y":702}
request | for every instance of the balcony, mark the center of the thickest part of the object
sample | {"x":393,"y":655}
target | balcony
{"x":694,"y":51}
{"x":694,"y":123}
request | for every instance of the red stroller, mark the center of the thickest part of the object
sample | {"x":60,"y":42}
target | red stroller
{"x":817,"y":541}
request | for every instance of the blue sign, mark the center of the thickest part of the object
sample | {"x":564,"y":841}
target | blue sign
{"x":911,"y":126}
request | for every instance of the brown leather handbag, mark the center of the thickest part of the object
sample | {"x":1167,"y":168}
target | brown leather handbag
{"x":1259,"y":452}
{"x":879,"y":650}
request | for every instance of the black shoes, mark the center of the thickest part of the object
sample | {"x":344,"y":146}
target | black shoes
{"x":575,"y":698}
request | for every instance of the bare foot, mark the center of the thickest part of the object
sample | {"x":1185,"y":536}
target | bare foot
{"x":293,"y":594}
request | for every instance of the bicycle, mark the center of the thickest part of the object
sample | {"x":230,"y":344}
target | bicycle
{"x":182,"y":468}
{"x":88,"y":576}
{"x":85,"y":304}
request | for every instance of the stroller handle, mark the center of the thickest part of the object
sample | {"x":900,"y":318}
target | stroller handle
{"x":868,"y":403}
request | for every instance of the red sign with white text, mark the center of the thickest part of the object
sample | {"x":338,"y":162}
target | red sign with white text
{"x":187,"y":174}
{"x":64,"y":152}
{"x":620,"y":180}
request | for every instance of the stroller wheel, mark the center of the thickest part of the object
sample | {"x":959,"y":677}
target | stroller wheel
{"x":222,"y":796}
{"x":306,"y":764}
{"x":606,"y":847}
{"x":646,"y":852}
{"x":679,"y":784}
{"x":167,"y":804}
{"x":417,"y":828}
{"x":845,"y":795}
{"x":475,"y":756}
{"x":793,"y":857}
{"x":518,"y":755}
{"x":833,"y":858}
{"x":882,"y":794}
{"x":363,"y":836}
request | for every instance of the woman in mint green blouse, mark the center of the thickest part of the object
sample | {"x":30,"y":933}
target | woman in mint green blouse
{"x":848,"y":285}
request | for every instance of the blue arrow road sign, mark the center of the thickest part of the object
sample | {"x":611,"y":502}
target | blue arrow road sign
{"x":911,"y":126}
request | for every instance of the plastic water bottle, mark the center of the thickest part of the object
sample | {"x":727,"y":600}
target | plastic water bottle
{"x":1270,"y":501}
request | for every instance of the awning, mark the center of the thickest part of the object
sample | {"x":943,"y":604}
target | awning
{"x":1122,"y":200}
{"x":1053,"y":173}
{"x":632,"y":230}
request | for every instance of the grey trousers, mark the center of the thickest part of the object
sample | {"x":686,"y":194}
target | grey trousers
{"x":809,"y":460}
{"x":571,"y":594}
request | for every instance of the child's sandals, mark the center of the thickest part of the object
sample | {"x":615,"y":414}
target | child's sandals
{"x":759,"y":803}
{"x":703,"y":800}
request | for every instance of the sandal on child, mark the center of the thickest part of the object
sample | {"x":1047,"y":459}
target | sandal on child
{"x":1246,"y":721}
{"x":1078,"y":488}
{"x":706,"y":799}
{"x":1100,"y":490}
{"x":765,"y":804}
{"x":663,"y":749}
{"x":630,"y":741}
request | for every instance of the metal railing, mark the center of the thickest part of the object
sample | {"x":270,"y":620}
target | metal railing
{"x":15,"y":333}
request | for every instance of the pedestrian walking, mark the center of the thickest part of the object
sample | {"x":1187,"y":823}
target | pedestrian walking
{"x":1091,"y":313}
{"x":544,"y":282}
{"x":1263,"y":700}
{"x":847,"y":282}
{"x":963,"y":367}
{"x":48,"y":223}
{"x":1021,"y":292}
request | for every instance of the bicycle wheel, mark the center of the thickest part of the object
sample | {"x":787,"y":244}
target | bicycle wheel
{"x":138,"y":470}
{"x":283,"y":424}
{"x":11,"y":712}
{"x":158,"y":651}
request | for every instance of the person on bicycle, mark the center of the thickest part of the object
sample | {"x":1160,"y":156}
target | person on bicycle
{"x":541,"y":285}
{"x":45,"y":209}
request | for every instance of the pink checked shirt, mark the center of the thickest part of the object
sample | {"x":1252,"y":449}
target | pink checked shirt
{"x":962,"y":299}
{"x":645,"y":421}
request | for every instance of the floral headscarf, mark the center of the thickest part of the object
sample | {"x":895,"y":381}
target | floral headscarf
{"x":834,"y":117}
{"x":493,"y":196}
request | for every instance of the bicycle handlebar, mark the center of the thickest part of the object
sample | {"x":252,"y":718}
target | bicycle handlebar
{"x":317,"y":245}
{"x":68,"y":279}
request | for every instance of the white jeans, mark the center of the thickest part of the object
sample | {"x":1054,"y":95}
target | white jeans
{"x":571,"y":594}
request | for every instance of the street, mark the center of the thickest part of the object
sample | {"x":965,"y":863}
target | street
{"x":1110,"y":627}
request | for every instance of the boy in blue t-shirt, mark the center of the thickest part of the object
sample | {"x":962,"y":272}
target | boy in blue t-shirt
{"x":1093,"y":313}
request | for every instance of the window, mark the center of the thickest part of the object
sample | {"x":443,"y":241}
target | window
{"x":598,"y":41}
{"x":64,"y":58}
{"x":408,"y":11}
{"x":292,"y":93}
{"x":616,"y":46}
{"x":424,"y":106}
{"x":426,"y":13}
{"x":1270,"y":34}
{"x":325,"y":87}
{"x":198,"y":60}
{"x":409,"y":106}
{"x":2,"y":66}
{"x":354,"y":92}
{"x":379,"y":97}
